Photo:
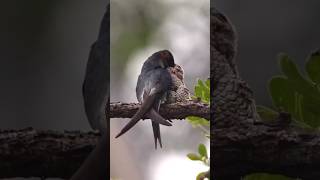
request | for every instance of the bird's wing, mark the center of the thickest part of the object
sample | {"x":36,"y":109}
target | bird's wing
{"x":145,"y":107}
{"x":157,"y":118}
{"x":153,"y":88}
{"x":139,"y":88}
{"x":95,"y":88}
{"x":153,"y":112}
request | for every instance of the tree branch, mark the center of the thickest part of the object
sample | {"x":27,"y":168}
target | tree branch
{"x":35,"y":153}
{"x":290,"y":151}
{"x":169,"y":111}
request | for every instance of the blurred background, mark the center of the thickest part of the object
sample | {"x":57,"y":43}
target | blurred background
{"x":138,"y":29}
{"x":45,"y":44}
{"x":43,"y":53}
{"x":265,"y":29}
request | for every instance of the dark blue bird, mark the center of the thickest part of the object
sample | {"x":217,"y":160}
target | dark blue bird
{"x":153,"y":83}
{"x":95,"y":88}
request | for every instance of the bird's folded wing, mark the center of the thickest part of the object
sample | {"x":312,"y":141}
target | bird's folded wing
{"x":145,"y":107}
{"x":157,"y":118}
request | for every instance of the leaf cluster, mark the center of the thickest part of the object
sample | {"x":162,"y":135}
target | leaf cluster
{"x":295,"y":92}
{"x":202,"y":93}
{"x":202,"y":156}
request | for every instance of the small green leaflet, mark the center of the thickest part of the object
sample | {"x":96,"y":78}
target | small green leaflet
{"x":196,"y":121}
{"x":202,"y":91}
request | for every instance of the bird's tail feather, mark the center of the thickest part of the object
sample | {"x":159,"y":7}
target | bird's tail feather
{"x":156,"y":134}
{"x":157,"y":118}
{"x":145,"y":107}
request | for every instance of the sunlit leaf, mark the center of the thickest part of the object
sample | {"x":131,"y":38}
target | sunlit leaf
{"x":201,"y":176}
{"x":202,"y":91}
{"x":194,"y":157}
{"x":196,"y":121}
{"x":208,"y":83}
{"x":202,"y":150}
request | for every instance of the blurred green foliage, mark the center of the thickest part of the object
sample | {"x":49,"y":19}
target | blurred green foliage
{"x":131,"y":30}
{"x":202,"y":92}
{"x":295,"y":93}
{"x":200,"y":156}
{"x":196,"y":121}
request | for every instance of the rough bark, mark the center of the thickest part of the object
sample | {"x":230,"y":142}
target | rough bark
{"x":37,"y":153}
{"x":34,"y":153}
{"x":170,"y":111}
{"x":288,"y":150}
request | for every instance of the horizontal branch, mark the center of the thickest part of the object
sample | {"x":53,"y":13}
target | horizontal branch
{"x":290,"y":151}
{"x":169,"y":111}
{"x":34,"y":153}
{"x":37,"y":153}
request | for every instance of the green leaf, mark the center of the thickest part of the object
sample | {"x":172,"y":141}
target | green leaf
{"x":295,"y":93}
{"x":196,"y":121}
{"x":201,"y":176}
{"x":296,"y":80}
{"x":202,"y":150}
{"x":300,"y":104}
{"x":198,"y":91}
{"x":282,"y":94}
{"x":288,"y":67}
{"x":202,"y":91}
{"x":194,"y":157}
{"x":267,"y":114}
{"x":313,"y":67}
{"x":310,"y":112}
{"x":208,"y":83}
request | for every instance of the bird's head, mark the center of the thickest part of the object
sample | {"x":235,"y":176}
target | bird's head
{"x":165,"y":58}
{"x":161,"y":59}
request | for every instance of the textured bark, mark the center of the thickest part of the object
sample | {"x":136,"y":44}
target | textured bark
{"x":170,"y":111}
{"x":241,"y":143}
{"x":35,"y":153}
{"x":289,"y":151}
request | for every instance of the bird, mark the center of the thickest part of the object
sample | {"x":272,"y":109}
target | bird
{"x":95,"y":91}
{"x":95,"y":88}
{"x":178,"y":91}
{"x":153,"y":84}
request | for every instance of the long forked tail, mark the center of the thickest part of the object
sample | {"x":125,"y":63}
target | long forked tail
{"x":145,"y":108}
{"x":156,"y":134}
{"x":153,"y":115}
